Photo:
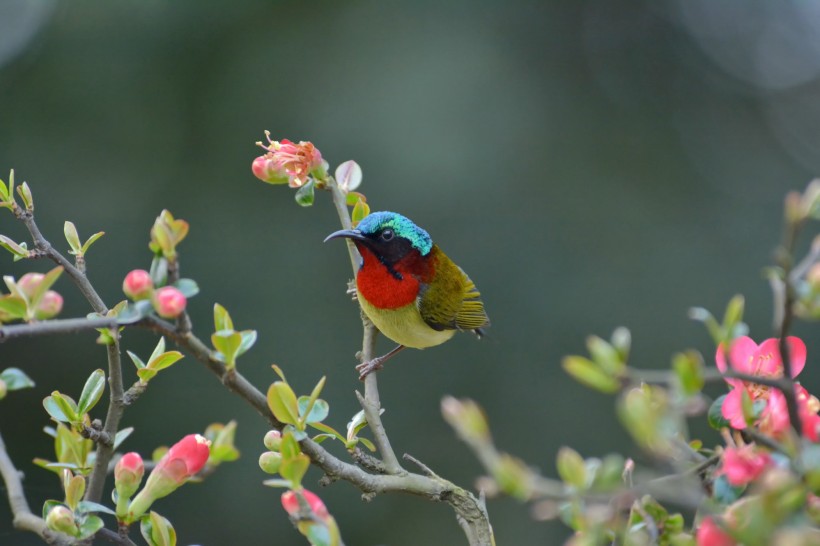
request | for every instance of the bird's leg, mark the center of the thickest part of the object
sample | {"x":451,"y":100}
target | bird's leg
{"x":365,"y":368}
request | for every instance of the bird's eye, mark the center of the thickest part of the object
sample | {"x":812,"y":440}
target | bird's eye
{"x":387,"y":235}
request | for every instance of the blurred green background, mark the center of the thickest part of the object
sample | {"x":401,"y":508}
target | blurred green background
{"x":590,"y":164}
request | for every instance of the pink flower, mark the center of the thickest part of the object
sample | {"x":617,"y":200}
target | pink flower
{"x":289,"y":162}
{"x":183,"y":460}
{"x":138,"y":285}
{"x":169,"y":302}
{"x":128,"y":474}
{"x":775,"y":417}
{"x":744,"y":464}
{"x":762,"y":360}
{"x":290,"y":502}
{"x":49,"y":305}
{"x":709,"y":534}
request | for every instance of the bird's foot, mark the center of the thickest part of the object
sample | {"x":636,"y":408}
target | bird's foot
{"x":366,"y":368}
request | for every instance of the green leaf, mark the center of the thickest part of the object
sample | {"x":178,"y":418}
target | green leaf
{"x":723,"y":492}
{"x":25,"y":194}
{"x":19,"y":251}
{"x":74,"y":491}
{"x":368,"y":444}
{"x":305,"y":195}
{"x":158,"y":350}
{"x":159,"y":270}
{"x":61,"y":407}
{"x":121,"y":435}
{"x":157,"y":531}
{"x":222,"y":319}
{"x":134,"y":312}
{"x":360,"y":210}
{"x":306,"y":405}
{"x":227,"y":343}
{"x":92,"y":391}
{"x":90,"y":526}
{"x":571,"y":467}
{"x":146,"y":374}
{"x":48,"y":280}
{"x":136,"y":360}
{"x":282,"y":402}
{"x":13,"y":305}
{"x":88,"y":506}
{"x":16,"y":379}
{"x":353,"y":197}
{"x":72,"y":237}
{"x":715,"y":416}
{"x":689,"y":371}
{"x":289,"y":447}
{"x":188,"y":287}
{"x":317,"y":413}
{"x":590,"y":374}
{"x":248,"y":340}
{"x":48,"y":505}
{"x":318,"y":534}
{"x":164,"y":360}
{"x":330,"y":431}
{"x":294,"y":469}
{"x":91,"y":240}
{"x":605,"y":355}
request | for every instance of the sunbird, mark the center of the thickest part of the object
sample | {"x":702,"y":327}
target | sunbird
{"x":408,"y":287}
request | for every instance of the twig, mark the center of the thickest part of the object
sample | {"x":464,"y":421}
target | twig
{"x":371,"y":404}
{"x":96,"y":480}
{"x":24,"y":519}
{"x":58,"y":326}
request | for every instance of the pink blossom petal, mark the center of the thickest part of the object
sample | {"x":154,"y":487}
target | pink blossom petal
{"x":797,"y":354}
{"x":720,"y":359}
{"x":768,"y":360}
{"x":732,"y":409}
{"x":742,"y":354}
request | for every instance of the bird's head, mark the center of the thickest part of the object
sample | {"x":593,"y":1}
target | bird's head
{"x":388,"y":235}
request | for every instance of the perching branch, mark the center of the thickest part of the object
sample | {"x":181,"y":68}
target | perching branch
{"x":370,"y":403}
{"x":57,"y":326}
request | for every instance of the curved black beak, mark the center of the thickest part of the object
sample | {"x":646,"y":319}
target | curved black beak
{"x":354,"y":234}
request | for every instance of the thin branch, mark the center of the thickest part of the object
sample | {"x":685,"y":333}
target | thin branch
{"x":24,"y":519}
{"x":57,"y":326}
{"x":371,"y":404}
{"x":463,"y":502}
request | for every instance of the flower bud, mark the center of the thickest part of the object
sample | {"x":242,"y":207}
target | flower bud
{"x":169,"y":302}
{"x":290,"y":502}
{"x":270,"y":461}
{"x":182,"y":461}
{"x":273,"y":440}
{"x":49,"y":306}
{"x":29,"y":282}
{"x":138,"y":285}
{"x":61,"y":519}
{"x":128,"y":474}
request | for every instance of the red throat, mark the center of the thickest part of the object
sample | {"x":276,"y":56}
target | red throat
{"x":382,"y":289}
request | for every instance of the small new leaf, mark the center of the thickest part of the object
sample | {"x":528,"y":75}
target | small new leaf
{"x":15,"y":379}
{"x":222,"y":319}
{"x":92,"y":391}
{"x":282,"y":402}
{"x":590,"y":374}
{"x":72,"y":237}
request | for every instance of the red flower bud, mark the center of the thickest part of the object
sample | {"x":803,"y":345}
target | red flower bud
{"x":138,"y":285}
{"x":169,"y":302}
{"x":290,"y":502}
{"x":128,"y":474}
{"x":183,"y":460}
{"x":49,"y":306}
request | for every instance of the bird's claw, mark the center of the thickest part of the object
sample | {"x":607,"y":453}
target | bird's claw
{"x":366,"y":368}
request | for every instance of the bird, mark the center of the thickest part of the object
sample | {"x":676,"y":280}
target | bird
{"x":409,"y":288}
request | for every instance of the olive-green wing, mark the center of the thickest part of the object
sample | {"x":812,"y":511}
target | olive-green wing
{"x":451,"y":301}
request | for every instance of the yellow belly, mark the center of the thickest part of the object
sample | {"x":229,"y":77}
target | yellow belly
{"x":405,"y":325}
